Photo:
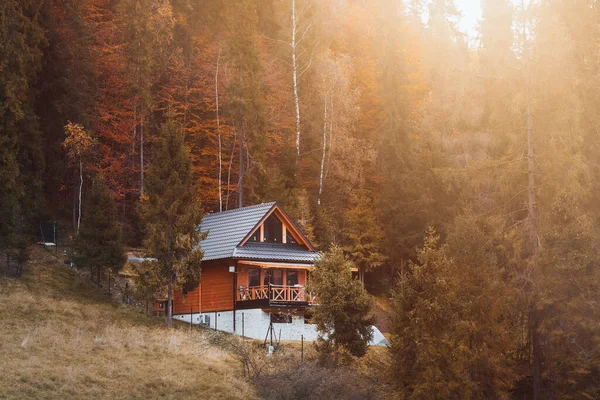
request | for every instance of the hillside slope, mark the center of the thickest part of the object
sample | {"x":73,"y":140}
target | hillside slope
{"x":59,"y":338}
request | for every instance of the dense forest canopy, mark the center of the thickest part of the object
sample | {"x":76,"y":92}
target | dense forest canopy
{"x":378,"y":125}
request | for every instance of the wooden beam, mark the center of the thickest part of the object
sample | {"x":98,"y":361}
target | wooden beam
{"x":262,"y":232}
{"x":296,"y":235}
{"x":266,"y":265}
{"x":284,"y":233}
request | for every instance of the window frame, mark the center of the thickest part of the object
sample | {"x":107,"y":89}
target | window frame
{"x":253,"y":270}
{"x":293,"y":272}
{"x":273,"y":231}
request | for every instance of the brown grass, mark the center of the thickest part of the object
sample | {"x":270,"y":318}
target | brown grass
{"x":59,"y":338}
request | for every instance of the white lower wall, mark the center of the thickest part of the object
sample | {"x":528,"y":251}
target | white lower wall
{"x":255,"y":324}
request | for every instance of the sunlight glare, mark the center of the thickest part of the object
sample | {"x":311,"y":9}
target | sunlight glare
{"x":471,"y":15}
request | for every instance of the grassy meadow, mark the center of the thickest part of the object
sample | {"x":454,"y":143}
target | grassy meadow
{"x":61,"y":339}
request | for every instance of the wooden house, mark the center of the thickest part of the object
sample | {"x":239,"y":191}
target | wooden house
{"x":254,"y":272}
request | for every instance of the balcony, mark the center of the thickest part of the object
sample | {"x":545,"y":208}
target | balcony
{"x":273,"y":295}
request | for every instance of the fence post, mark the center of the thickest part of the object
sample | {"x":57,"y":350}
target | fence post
{"x":302,"y":349}
{"x":55,"y":242}
{"x":243,"y":325}
{"x":191,"y":317}
{"x":215,"y":320}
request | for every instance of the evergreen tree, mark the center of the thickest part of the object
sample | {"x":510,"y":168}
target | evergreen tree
{"x":342,"y":316}
{"x":171,"y":214}
{"x":246,"y":107}
{"x":21,"y":162}
{"x":147,"y":27}
{"x":148,"y":288}
{"x":450,"y":332}
{"x":98,"y":244}
{"x":567,"y":278}
{"x":11,"y":191}
{"x":363,"y":236}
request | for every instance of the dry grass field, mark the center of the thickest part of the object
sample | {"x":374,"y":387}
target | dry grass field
{"x":60,"y":339}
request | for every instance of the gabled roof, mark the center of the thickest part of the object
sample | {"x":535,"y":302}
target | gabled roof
{"x":274,"y":251}
{"x":227,"y":231}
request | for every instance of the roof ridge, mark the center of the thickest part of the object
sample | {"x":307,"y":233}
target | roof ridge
{"x":270,"y":204}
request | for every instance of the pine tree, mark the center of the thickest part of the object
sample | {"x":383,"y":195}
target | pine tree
{"x":363,"y":236}
{"x":11,"y":192}
{"x":568,"y":285}
{"x":21,"y":162}
{"x":147,"y":27}
{"x":342,"y":316}
{"x":171,"y":214}
{"x":245,"y":106}
{"x":98,"y":244}
{"x":450,"y":328}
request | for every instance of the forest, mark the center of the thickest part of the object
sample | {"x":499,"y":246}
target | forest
{"x":460,"y":174}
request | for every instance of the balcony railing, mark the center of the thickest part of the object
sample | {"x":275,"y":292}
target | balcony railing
{"x":276,"y":293}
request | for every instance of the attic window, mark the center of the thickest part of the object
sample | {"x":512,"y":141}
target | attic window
{"x":255,"y":236}
{"x":290,"y":239}
{"x":273,"y":230}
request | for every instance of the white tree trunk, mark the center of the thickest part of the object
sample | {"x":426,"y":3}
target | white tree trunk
{"x":134,"y":130}
{"x":169,"y":310}
{"x":142,"y":154}
{"x":295,"y":79}
{"x":80,"y":190}
{"x":331,"y":118}
{"x":229,"y":173}
{"x":219,"y":133}
{"x":241,"y":172}
{"x":324,"y":152}
{"x":531,"y":201}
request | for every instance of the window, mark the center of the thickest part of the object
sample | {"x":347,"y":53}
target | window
{"x":273,"y":230}
{"x":273,"y":276}
{"x":255,"y":236}
{"x":277,"y":277}
{"x":292,"y":278}
{"x":281,"y":318}
{"x":290,"y":239}
{"x":253,"y":277}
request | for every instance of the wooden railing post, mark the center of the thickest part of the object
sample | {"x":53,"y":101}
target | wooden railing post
{"x":275,"y":293}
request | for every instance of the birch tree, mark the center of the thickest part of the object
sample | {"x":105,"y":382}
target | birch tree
{"x":219,"y":132}
{"x":148,"y":27}
{"x":301,"y":44}
{"x":339,"y":108}
{"x":78,"y":143}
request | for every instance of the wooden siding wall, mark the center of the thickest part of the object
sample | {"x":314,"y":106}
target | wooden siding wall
{"x":216,"y":291}
{"x":217,"y":288}
{"x":184,"y":304}
{"x":302,"y":277}
{"x":242,"y":276}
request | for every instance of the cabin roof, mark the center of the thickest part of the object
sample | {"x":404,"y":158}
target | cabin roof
{"x":274,"y":251}
{"x":228,"y":229}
